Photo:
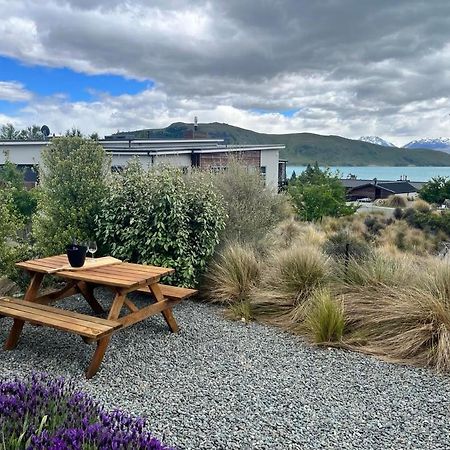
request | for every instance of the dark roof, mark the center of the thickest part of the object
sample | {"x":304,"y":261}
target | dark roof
{"x":395,"y":187}
{"x":351,"y":183}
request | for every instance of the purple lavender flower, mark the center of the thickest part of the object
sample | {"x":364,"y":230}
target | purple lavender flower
{"x":42,"y":413}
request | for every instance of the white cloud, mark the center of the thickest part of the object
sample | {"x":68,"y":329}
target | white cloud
{"x":350,"y":68}
{"x":12,"y":91}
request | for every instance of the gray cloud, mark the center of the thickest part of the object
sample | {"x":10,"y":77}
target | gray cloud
{"x":348,"y":66}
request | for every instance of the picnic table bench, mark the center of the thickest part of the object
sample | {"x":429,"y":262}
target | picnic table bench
{"x":120,"y":277}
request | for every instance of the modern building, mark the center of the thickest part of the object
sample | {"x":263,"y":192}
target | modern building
{"x":210,"y":154}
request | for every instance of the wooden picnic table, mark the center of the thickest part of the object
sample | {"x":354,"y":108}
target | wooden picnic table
{"x":120,"y":277}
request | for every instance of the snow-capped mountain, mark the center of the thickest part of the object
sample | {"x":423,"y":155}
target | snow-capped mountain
{"x":441,"y":144}
{"x":376,"y":140}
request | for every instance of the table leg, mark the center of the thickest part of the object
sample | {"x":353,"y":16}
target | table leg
{"x":167,"y":313}
{"x":102,"y":344}
{"x":87,"y":292}
{"x":30,"y":295}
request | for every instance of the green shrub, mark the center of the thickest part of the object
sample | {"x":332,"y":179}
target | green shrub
{"x":436,"y":191}
{"x":252,"y":208}
{"x":344,"y":245}
{"x":324,"y":322}
{"x":398,"y":213}
{"x":318,"y":193}
{"x":24,"y":200}
{"x":10,"y":226}
{"x":73,"y":184}
{"x":162,"y":217}
{"x":232,"y":274}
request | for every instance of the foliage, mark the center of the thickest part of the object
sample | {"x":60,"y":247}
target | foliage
{"x":42,"y":413}
{"x":162,"y":217}
{"x":437,"y":190}
{"x":430,"y":221}
{"x":232,"y":274}
{"x":10,"y":225}
{"x":24,"y":200}
{"x":343,"y":245}
{"x":73,"y":184}
{"x":317,"y":193}
{"x":32,"y":132}
{"x":252,"y":208}
{"x":289,"y":278}
{"x":398,"y":213}
{"x":324,"y":321}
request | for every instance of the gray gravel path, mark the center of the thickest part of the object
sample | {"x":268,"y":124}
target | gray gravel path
{"x":226,"y":385}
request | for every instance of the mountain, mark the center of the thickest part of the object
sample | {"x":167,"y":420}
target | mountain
{"x":301,"y":148}
{"x":440,"y":144}
{"x":376,"y":140}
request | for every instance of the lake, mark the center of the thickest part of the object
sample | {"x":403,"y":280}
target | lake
{"x":383,"y":173}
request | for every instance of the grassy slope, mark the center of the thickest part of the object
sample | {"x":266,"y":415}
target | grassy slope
{"x":303,"y":148}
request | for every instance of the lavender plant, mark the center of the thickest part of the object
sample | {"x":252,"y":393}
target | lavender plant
{"x":42,"y":413}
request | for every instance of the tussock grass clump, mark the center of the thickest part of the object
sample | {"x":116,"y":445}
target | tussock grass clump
{"x":343,"y":244}
{"x":395,"y":201}
{"x":421,"y":206}
{"x":408,"y":239}
{"x":289,"y":278}
{"x":401,"y":324}
{"x":379,"y":268}
{"x":437,"y":280}
{"x":324,"y":321}
{"x":232,"y":274}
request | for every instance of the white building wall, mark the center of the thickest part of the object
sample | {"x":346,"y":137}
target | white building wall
{"x":269,"y":160}
{"x":23,"y":153}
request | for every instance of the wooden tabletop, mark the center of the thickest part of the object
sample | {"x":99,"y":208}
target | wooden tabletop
{"x":124,"y":275}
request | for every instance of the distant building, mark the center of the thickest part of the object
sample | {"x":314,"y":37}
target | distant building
{"x":209,"y":154}
{"x":378,"y":189}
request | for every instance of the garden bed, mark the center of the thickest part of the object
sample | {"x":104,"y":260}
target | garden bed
{"x":223,"y":384}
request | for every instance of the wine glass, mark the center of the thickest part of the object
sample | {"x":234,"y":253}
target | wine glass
{"x":92,"y":247}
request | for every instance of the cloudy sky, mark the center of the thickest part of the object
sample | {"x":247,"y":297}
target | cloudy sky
{"x":346,"y":67}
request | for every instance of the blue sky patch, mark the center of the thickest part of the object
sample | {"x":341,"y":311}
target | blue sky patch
{"x":46,"y":81}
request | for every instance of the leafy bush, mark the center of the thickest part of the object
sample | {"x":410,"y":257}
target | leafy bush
{"x":436,"y":191}
{"x":318,"y":193}
{"x":162,"y":217}
{"x":430,"y":221}
{"x":24,"y":200}
{"x":9,"y":228}
{"x":232,"y":275}
{"x":252,"y":208}
{"x":42,"y":413}
{"x":343,"y":245}
{"x":324,"y":322}
{"x":73,"y":184}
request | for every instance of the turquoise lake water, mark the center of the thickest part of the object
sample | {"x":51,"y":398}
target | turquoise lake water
{"x":383,"y":173}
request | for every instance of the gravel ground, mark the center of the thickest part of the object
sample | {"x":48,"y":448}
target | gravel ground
{"x":226,"y":385}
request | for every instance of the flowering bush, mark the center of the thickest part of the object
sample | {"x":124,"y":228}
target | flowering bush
{"x":41,"y":413}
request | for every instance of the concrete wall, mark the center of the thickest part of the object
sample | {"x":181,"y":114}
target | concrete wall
{"x":21,"y":153}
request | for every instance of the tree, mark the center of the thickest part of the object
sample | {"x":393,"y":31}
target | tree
{"x":317,"y":193}
{"x":293,"y":176}
{"x":74,"y":174}
{"x":8,"y":131}
{"x":437,"y":190}
{"x":74,"y":132}
{"x":24,"y":201}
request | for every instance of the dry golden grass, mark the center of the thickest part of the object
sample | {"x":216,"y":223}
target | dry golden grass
{"x":395,"y":201}
{"x":232,"y":275}
{"x":421,"y":205}
{"x":380,"y":268}
{"x":289,"y":278}
{"x":407,"y":239}
{"x":401,"y":324}
{"x":437,"y":278}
